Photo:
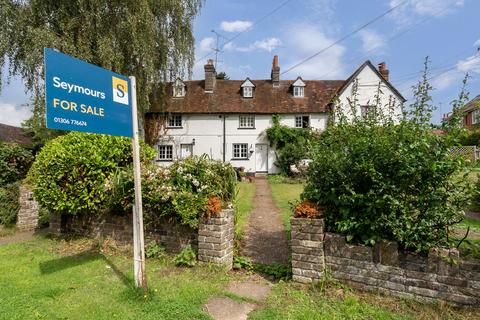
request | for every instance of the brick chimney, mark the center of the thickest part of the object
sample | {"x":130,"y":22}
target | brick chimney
{"x":210,"y":76}
{"x":275,"y":72}
{"x":382,"y":68}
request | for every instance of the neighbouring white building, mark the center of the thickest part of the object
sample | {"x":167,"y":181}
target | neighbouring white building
{"x":227,"y":119}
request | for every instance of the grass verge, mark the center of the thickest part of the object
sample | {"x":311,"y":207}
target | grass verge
{"x":293,"y":301}
{"x":284,"y":194}
{"x":244,"y":205}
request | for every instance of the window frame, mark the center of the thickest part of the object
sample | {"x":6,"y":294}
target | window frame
{"x":244,"y":92}
{"x":300,"y":93}
{"x":179,"y":91}
{"x":240,"y":151}
{"x":475,"y":114}
{"x":302,"y":122}
{"x":174,"y":117}
{"x":166,"y":153}
{"x":246,"y":125}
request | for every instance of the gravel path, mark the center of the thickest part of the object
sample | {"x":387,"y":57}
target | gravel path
{"x":265,"y":239}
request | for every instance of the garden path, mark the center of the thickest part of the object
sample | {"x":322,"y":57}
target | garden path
{"x":252,"y":293}
{"x":265,"y":240}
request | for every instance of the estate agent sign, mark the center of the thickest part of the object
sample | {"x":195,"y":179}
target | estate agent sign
{"x":84,"y":97}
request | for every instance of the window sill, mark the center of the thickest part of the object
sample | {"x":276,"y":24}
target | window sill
{"x":174,"y":127}
{"x":164,"y":160}
{"x":233,"y":159}
{"x":245,"y":128}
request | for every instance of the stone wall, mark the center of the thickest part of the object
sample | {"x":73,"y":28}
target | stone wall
{"x":439,"y":275}
{"x":308,"y":261}
{"x":27,"y":218}
{"x":214,"y":237}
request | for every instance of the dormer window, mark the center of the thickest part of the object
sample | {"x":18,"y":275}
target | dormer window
{"x":298,"y":88}
{"x":247,"y":88}
{"x":179,"y":89}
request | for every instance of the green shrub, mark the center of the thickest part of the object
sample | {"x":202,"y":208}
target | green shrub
{"x":470,"y":138}
{"x":384,"y":179}
{"x":395,"y":182}
{"x":14,"y":162}
{"x":187,"y":257}
{"x":9,"y":204}
{"x":154,"y":250}
{"x":181,"y":190}
{"x":73,"y":173}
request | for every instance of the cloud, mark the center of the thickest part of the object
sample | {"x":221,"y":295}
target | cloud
{"x":267,"y":44}
{"x":307,"y":40}
{"x":206,"y":44}
{"x":235,"y":26}
{"x":469,"y":65}
{"x":372,"y":41}
{"x":14,"y":115}
{"x":413,"y":9}
{"x":477,"y":44}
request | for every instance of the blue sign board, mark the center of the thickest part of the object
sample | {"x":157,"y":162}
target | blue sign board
{"x":83,"y":97}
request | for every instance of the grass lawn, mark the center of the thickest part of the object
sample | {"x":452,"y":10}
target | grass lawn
{"x":244,"y":205}
{"x":56,"y":279}
{"x":469,"y":222}
{"x":284,"y":194}
{"x":292,"y":301}
{"x":47,"y":279}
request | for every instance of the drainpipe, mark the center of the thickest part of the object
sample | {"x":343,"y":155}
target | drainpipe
{"x":224,"y":137}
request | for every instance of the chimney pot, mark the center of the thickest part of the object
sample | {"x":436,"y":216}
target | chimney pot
{"x":275,"y":75}
{"x":382,"y":68}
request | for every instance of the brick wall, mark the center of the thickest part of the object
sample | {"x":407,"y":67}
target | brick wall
{"x":214,"y":237}
{"x":439,"y":275}
{"x":27,"y":218}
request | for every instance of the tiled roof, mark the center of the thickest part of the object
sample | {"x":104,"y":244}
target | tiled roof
{"x":13,"y":134}
{"x":267,"y":99}
{"x":473,"y":104}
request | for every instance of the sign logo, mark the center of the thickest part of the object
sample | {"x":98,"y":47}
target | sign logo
{"x":120,"y":90}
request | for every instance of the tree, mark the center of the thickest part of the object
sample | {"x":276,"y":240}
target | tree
{"x":151,"y":40}
{"x":222,"y":76}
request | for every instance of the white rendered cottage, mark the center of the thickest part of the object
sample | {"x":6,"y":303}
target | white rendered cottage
{"x":227,"y":119}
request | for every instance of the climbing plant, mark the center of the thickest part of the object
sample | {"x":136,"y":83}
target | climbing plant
{"x":291,"y":144}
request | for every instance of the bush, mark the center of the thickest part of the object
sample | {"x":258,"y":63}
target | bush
{"x":395,"y":182}
{"x":73,"y":173}
{"x":182,"y":190}
{"x":14,"y":162}
{"x":9,"y":205}
{"x":386,"y":177}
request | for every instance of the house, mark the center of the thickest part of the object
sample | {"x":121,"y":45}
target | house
{"x":227,"y":119}
{"x":13,"y":134}
{"x":470,"y":113}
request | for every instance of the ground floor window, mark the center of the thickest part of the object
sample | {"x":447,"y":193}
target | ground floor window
{"x":165,"y":152}
{"x":302,"y":121}
{"x":240,"y":150}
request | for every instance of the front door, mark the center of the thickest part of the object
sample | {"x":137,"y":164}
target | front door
{"x":261,"y":158}
{"x":186,"y":150}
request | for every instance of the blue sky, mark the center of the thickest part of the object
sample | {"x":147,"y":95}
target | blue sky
{"x":445,"y":30}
